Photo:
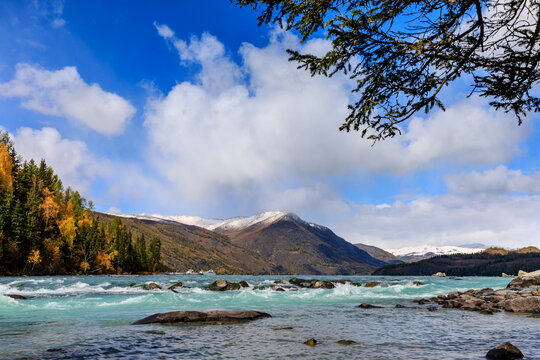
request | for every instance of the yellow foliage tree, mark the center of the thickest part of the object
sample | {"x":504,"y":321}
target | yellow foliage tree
{"x":49,"y":206}
{"x":103,"y":260}
{"x":6,"y":168}
{"x":34,"y":258}
{"x":67,"y":230}
{"x":85,"y":219}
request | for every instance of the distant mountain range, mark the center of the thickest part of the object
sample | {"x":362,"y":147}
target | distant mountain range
{"x":267,"y":243}
{"x":490,"y":262}
{"x":421,"y":252}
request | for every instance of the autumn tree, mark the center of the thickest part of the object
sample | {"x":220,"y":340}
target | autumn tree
{"x":154,"y":253}
{"x":402,"y":54}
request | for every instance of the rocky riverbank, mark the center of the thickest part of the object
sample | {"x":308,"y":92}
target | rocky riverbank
{"x":522,"y":295}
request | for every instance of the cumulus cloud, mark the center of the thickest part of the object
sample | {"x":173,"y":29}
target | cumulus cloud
{"x":64,"y":93}
{"x":446,"y":220}
{"x":264,"y":127}
{"x":69,"y":158}
{"x":498,"y":181}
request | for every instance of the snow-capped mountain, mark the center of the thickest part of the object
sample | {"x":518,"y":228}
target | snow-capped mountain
{"x":417,"y":253}
{"x":219,"y":225}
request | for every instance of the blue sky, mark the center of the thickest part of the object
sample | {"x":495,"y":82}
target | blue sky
{"x":189,"y":107}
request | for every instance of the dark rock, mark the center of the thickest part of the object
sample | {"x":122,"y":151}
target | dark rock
{"x":323,"y":285}
{"x":283,"y":328}
{"x":279,"y":289}
{"x":222,"y":285}
{"x":432,"y":308}
{"x":311,"y":342}
{"x":243,"y":284}
{"x":417,"y":283}
{"x":341,"y":281}
{"x":504,"y":351}
{"x":151,"y":286}
{"x":371,"y":284}
{"x":203,"y":317}
{"x":279,"y":282}
{"x":346,"y":342}
{"x":155,"y":332}
{"x":399,"y":306}
{"x":16,"y":297}
{"x":421,"y":301}
{"x":174,"y":286}
{"x":369,"y":306}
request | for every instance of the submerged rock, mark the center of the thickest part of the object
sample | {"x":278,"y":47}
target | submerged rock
{"x":279,"y":282}
{"x":203,"y":317}
{"x":279,"y":289}
{"x":371,"y":284}
{"x":369,"y":306}
{"x":174,"y":286}
{"x":504,"y":351}
{"x":283,"y":328}
{"x":151,"y":286}
{"x":346,"y":342}
{"x":417,"y":283}
{"x":16,"y":297}
{"x":311,"y":342}
{"x":243,"y":284}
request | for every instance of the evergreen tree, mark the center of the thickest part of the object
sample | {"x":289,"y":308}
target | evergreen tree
{"x":154,"y":254}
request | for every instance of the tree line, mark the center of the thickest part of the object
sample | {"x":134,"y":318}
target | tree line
{"x":48,"y":229}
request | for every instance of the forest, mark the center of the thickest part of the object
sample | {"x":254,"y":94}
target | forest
{"x":48,"y":229}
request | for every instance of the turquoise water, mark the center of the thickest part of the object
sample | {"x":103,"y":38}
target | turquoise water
{"x":88,"y":317}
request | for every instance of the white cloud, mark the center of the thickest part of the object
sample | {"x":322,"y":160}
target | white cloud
{"x":498,"y":181}
{"x":446,"y":220}
{"x":251,"y":131}
{"x":70,"y":159}
{"x":164,"y":31}
{"x":64,"y":93}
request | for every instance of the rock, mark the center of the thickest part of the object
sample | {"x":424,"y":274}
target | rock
{"x":243,"y":284}
{"x":311,"y":342}
{"x":151,"y":286}
{"x":526,"y":280}
{"x":417,"y":283}
{"x":341,"y":281}
{"x":506,"y":275}
{"x":203,"y":317}
{"x":439,"y":274}
{"x":283,"y":328}
{"x":174,"y":286}
{"x":399,"y":306}
{"x":521,"y":273}
{"x":279,"y":282}
{"x":529,"y":304}
{"x":369,"y":306}
{"x":421,"y":301}
{"x":371,"y":284}
{"x":346,"y":342}
{"x":219,"y":285}
{"x":504,"y":351}
{"x":432,"y":308}
{"x":323,"y":285}
{"x":222,"y":285}
{"x":279,"y":289}
{"x":16,"y":297}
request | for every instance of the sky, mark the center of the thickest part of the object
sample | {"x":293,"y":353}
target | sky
{"x":191,"y":108}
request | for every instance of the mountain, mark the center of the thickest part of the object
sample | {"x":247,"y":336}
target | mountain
{"x":289,"y":244}
{"x":185,"y":247}
{"x":379,"y":254}
{"x":486,"y":263}
{"x":421,"y":252}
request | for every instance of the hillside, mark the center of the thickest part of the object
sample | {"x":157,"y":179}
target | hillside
{"x":486,"y":263}
{"x":272,"y":242}
{"x":379,"y":254}
{"x":186,"y":247}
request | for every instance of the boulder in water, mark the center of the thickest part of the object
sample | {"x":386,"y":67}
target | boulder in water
{"x":222,"y":285}
{"x":528,"y":304}
{"x":441,"y":274}
{"x":151,"y":286}
{"x":203,"y":317}
{"x":243,"y":284}
{"x":311,"y":342}
{"x":504,"y":351}
{"x":346,"y":342}
{"x":323,"y":285}
{"x":526,"y":280}
{"x":369,"y":306}
{"x":15,"y":296}
{"x":371,"y":284}
{"x":174,"y":286}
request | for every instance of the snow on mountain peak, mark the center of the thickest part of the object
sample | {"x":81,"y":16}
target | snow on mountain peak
{"x":433,"y":249}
